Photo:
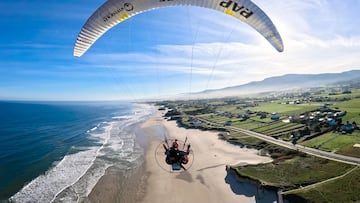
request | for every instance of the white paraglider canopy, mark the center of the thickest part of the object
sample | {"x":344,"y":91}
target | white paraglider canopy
{"x":113,"y":12}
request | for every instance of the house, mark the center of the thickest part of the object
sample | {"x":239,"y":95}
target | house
{"x":228,"y":123}
{"x":243,"y":115}
{"x":331,"y":122}
{"x":275,"y":116}
{"x":347,"y":128}
{"x":261,"y":114}
{"x":196,"y":123}
{"x":287,"y":120}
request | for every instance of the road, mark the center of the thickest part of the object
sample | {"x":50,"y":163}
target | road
{"x":307,"y":150}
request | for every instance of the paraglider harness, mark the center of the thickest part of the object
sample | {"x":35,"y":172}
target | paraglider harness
{"x":176,"y":157}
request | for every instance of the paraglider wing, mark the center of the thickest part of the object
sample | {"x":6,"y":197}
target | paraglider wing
{"x":113,"y":12}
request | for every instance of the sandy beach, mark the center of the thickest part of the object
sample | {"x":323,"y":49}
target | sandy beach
{"x":206,"y":180}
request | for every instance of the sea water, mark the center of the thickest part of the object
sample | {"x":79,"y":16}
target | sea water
{"x":59,"y":151}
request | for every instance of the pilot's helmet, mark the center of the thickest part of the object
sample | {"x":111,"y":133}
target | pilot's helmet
{"x":175,"y":144}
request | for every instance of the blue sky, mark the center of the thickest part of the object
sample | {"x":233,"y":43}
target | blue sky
{"x":168,"y":51}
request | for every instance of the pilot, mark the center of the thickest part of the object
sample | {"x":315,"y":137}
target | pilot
{"x":175,"y":144}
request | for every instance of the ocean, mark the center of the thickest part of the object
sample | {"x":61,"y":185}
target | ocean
{"x":61,"y":149}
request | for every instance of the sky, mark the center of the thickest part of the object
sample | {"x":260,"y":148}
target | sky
{"x":168,"y":51}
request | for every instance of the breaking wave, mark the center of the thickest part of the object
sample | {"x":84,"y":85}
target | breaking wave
{"x":73,"y":178}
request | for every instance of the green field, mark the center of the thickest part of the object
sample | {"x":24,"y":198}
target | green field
{"x":336,"y":142}
{"x":295,"y":172}
{"x":342,"y":190}
{"x":270,"y":126}
{"x":286,"y":127}
{"x":352,"y":108}
{"x":285,"y":109}
{"x":247,"y":124}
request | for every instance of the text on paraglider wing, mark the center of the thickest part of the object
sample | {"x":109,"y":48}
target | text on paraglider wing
{"x":114,"y":12}
{"x":126,"y":7}
{"x":235,"y":7}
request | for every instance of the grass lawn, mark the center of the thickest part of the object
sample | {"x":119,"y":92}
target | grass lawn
{"x":248,"y":124}
{"x":230,"y":108}
{"x":243,"y":139}
{"x":319,"y":141}
{"x":285,"y":109}
{"x":288,"y":127}
{"x":214,"y":118}
{"x":343,"y":190}
{"x":353,"y":110}
{"x":295,"y":172}
{"x":337,"y":142}
{"x":270,"y":126}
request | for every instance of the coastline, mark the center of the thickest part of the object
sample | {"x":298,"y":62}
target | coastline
{"x":117,"y":185}
{"x":205,"y":181}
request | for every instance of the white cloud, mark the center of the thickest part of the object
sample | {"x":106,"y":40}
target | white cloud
{"x":319,"y":36}
{"x":221,"y":61}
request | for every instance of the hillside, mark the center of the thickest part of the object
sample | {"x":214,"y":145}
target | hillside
{"x":285,"y":82}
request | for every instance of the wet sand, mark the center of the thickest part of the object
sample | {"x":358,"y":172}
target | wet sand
{"x":206,"y":181}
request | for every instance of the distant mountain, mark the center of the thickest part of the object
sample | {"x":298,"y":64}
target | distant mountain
{"x":285,"y":82}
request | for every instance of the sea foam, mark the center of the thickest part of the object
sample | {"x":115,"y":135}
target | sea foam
{"x":73,"y":178}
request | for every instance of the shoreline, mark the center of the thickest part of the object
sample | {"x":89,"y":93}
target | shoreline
{"x":125,"y":186}
{"x":206,"y":181}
